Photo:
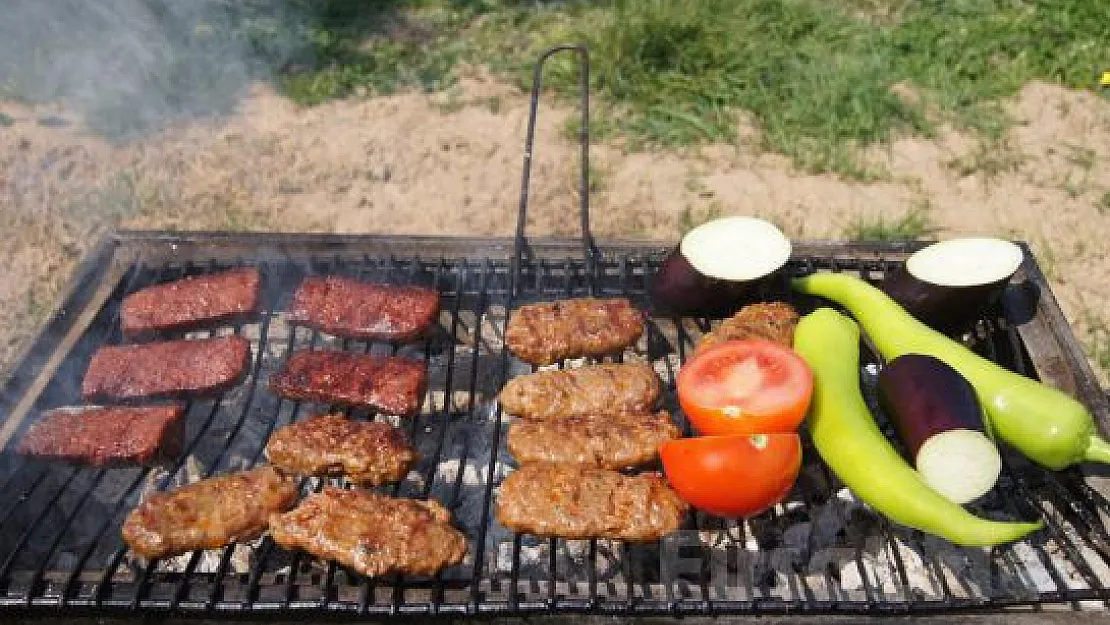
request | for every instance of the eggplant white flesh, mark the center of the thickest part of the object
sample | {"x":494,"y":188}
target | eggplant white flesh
{"x":720,"y":265}
{"x":937,"y":416}
{"x":951,"y":283}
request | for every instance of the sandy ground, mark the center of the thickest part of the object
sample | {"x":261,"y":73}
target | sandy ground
{"x":450,"y":163}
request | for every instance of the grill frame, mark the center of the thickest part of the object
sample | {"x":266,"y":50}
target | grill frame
{"x":108,"y":268}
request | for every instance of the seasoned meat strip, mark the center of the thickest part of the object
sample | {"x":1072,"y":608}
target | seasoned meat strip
{"x":571,"y":501}
{"x":166,"y":369}
{"x":371,"y":533}
{"x":107,"y":436}
{"x":370,"y":454}
{"x":208,"y":514}
{"x":607,"y":442}
{"x":545,"y":333}
{"x":596,"y":390}
{"x":391,"y":384}
{"x":774,"y":321}
{"x":191,"y":302}
{"x":361,"y":310}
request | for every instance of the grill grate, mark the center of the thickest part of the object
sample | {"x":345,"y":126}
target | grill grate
{"x":818,"y":552}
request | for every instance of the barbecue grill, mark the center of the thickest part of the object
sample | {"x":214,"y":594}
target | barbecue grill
{"x":820,"y":552}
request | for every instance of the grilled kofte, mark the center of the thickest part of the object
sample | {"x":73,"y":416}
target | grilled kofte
{"x":370,"y":533}
{"x":166,"y":369}
{"x":191,"y":302}
{"x":208,"y":514}
{"x":362,"y":310}
{"x":607,"y":442}
{"x":391,"y":384}
{"x":774,"y":321}
{"x":596,"y":390}
{"x":545,"y":333}
{"x":569,"y":501}
{"x":107,"y":436}
{"x":370,"y":454}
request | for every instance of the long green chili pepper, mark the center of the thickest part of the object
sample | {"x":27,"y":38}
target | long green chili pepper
{"x":850,"y":442}
{"x":1047,"y":425}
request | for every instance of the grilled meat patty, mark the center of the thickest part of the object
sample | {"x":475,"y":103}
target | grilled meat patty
{"x":361,"y":310}
{"x":208,"y":514}
{"x":166,"y":369}
{"x":545,"y":333}
{"x":191,"y":302}
{"x":370,"y":533}
{"x":607,"y":442}
{"x":595,"y":390}
{"x":107,"y":436}
{"x":572,"y":501}
{"x":370,"y":454}
{"x":774,"y":321}
{"x":391,"y":384}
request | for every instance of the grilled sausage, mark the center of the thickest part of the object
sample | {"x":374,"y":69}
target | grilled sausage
{"x":545,"y":333}
{"x":361,"y":310}
{"x":191,"y":302}
{"x":596,"y":390}
{"x":774,"y":321}
{"x":371,"y":533}
{"x":208,"y":514}
{"x":607,"y":442}
{"x":392,"y":384}
{"x":166,"y":369}
{"x":370,"y":454}
{"x":572,"y":501}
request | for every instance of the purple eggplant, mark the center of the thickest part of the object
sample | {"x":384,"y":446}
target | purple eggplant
{"x":937,"y":416}
{"x":950,"y":284}
{"x":719,"y":266}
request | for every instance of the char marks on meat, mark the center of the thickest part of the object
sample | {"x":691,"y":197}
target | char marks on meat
{"x":572,"y":501}
{"x":361,"y":310}
{"x":773,"y":321}
{"x":107,"y":436}
{"x":191,"y":302}
{"x":371,"y":533}
{"x":607,"y":442}
{"x":392,"y":384}
{"x":545,"y":333}
{"x":368,"y":453}
{"x":595,"y":390}
{"x":208,"y":514}
{"x":166,"y":369}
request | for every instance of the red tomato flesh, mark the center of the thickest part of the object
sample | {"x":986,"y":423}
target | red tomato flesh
{"x":745,"y":387}
{"x":733,"y":476}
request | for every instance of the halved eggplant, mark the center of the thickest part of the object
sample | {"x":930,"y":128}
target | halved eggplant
{"x":940,"y":422}
{"x":949,"y":284}
{"x":719,"y":266}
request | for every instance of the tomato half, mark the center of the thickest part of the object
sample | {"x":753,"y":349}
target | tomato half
{"x":745,"y":387}
{"x":733,"y":476}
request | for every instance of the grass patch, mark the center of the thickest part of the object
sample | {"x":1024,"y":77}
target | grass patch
{"x":914,"y":224}
{"x":1103,"y":205}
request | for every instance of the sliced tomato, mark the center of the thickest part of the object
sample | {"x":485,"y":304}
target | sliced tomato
{"x":733,"y":476}
{"x":745,"y":387}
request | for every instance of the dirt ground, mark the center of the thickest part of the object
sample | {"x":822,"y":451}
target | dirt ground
{"x":450,"y":163}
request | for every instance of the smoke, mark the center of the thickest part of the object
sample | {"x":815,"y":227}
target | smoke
{"x":132,"y":65}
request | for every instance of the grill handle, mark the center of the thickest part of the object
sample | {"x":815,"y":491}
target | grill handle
{"x":520,"y":245}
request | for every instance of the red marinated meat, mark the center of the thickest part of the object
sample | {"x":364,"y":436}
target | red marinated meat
{"x":362,"y":310}
{"x":191,"y":302}
{"x":107,"y":436}
{"x":391,"y":384}
{"x":166,"y":369}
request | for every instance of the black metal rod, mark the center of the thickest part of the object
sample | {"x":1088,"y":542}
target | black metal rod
{"x":520,"y":244}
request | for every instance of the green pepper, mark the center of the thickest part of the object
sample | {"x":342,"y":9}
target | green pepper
{"x":850,"y":442}
{"x":1047,"y":425}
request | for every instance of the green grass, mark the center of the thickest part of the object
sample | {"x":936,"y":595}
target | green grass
{"x":914,"y":224}
{"x":1104,"y":203}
